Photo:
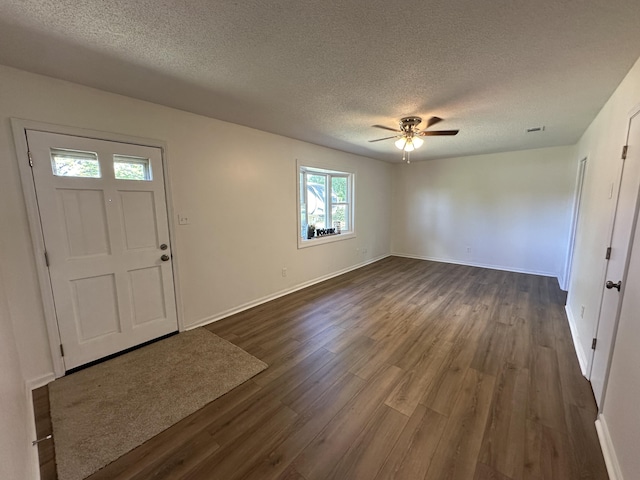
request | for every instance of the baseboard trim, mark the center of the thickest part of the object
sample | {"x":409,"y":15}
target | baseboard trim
{"x":577,"y":345}
{"x":281,"y":293}
{"x":608,"y":452}
{"x":473,"y":264}
{"x":562,"y":280}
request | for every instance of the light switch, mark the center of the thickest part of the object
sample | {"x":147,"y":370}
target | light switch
{"x":183,"y":219}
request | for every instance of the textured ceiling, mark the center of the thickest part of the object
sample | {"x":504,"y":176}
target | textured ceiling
{"x":324,"y":72}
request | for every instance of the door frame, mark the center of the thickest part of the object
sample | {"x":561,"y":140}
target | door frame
{"x":577,"y":204}
{"x":19,"y":127}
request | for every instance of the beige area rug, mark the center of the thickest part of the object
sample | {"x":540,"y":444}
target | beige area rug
{"x":106,"y":410}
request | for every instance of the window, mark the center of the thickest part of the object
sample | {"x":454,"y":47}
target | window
{"x":131,"y":168}
{"x":74,"y":163}
{"x":326,"y":205}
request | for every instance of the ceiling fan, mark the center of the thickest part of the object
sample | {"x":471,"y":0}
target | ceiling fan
{"x":409,"y":135}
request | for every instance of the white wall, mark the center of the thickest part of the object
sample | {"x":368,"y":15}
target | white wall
{"x":15,"y":460}
{"x":509,"y":210}
{"x":237,"y":185}
{"x":602,"y":143}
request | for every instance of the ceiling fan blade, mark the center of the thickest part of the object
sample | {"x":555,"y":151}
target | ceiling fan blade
{"x":387,"y":128}
{"x":385,"y":138}
{"x":438,"y":133}
{"x":433,"y":121}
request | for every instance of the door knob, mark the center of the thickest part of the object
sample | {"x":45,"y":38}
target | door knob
{"x":611,"y":285}
{"x":166,"y":258}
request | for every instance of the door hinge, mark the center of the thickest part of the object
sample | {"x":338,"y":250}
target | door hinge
{"x":46,"y":258}
{"x":608,"y":254}
{"x":61,"y":350}
{"x":593,"y":343}
{"x":624,"y":152}
{"x":30,"y":158}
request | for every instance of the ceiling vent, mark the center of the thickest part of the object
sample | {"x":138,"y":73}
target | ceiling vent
{"x":535,"y":129}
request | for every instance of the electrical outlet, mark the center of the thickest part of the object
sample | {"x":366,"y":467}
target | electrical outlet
{"x":468,"y":249}
{"x":582,"y":312}
{"x":364,"y":250}
{"x":284,"y":272}
{"x":183,"y":219}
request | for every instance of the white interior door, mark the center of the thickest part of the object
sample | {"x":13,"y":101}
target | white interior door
{"x":104,"y":219}
{"x":623,"y":224}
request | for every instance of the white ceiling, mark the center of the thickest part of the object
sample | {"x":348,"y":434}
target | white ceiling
{"x":325,"y":71}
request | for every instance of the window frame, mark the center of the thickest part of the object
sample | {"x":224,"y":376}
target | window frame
{"x":329,"y":172}
{"x":131,"y":160}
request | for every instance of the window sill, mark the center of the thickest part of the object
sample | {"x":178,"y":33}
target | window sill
{"x":302,"y":243}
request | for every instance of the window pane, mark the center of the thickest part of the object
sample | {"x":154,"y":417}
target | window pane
{"x":339,"y":189}
{"x":73,"y":163}
{"x":303,"y":207}
{"x":340,"y":213}
{"x":131,"y":168}
{"x":316,"y":200}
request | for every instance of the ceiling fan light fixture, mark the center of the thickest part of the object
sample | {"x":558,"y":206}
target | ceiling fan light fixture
{"x":408,"y":144}
{"x":409,"y":135}
{"x":401,"y":143}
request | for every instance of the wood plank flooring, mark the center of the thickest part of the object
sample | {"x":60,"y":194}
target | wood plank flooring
{"x":403,"y":369}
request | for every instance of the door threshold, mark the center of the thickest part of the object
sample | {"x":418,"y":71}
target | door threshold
{"x":117,"y":354}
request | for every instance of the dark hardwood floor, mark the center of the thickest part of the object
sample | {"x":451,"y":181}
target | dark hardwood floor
{"x":404,"y":369}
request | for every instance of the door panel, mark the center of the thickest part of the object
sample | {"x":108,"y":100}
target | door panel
{"x":85,"y":222}
{"x":103,"y":212}
{"x":95,"y":307}
{"x":138,"y":218}
{"x":146,"y":286}
{"x":626,"y":211}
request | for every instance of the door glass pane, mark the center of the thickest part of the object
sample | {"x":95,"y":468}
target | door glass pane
{"x":316,"y":199}
{"x":131,"y":168}
{"x":74,"y":163}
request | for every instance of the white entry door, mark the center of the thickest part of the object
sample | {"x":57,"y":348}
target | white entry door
{"x":103,"y":213}
{"x":622,"y":229}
